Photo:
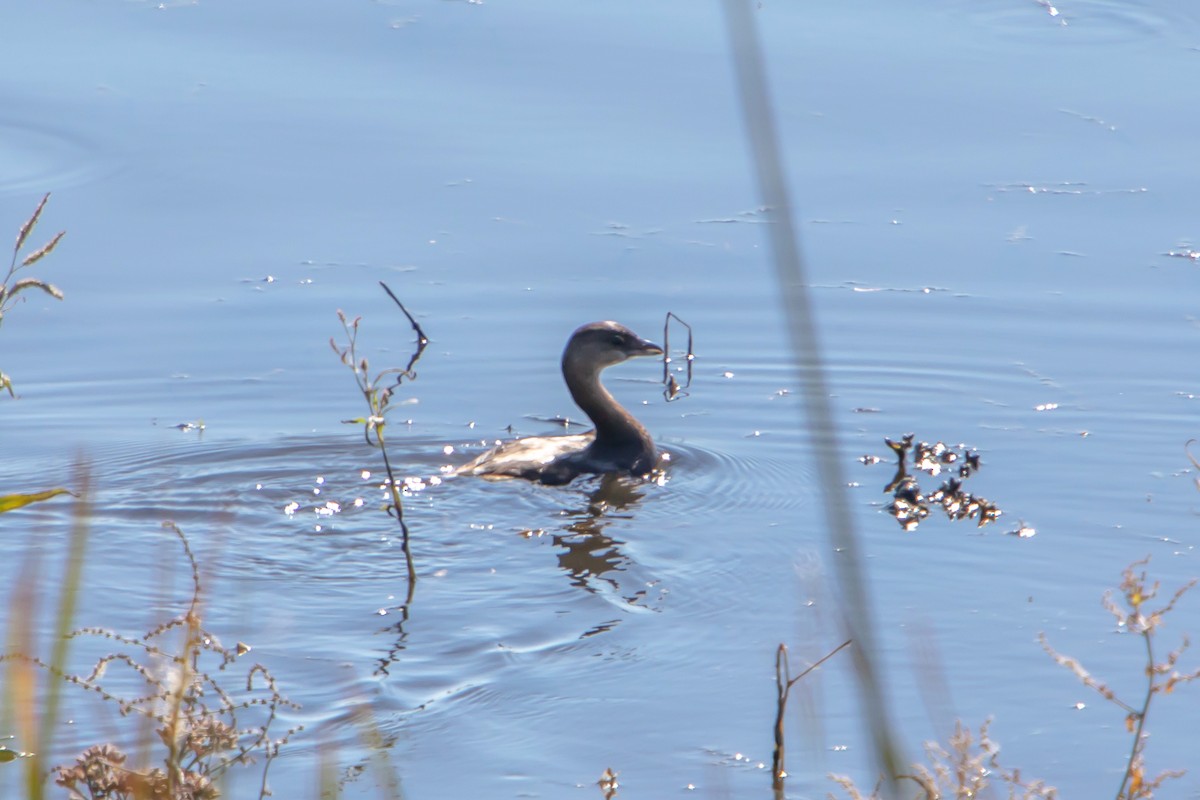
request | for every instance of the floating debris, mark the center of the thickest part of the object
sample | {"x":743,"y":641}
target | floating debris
{"x":1187,"y":252}
{"x":1087,"y":117}
{"x":608,"y":783}
{"x":1062,"y":187}
{"x":1023,"y":531}
{"x":910,"y":506}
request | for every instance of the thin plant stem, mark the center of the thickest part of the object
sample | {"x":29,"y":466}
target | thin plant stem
{"x":784,"y":681}
{"x":377,"y":400}
{"x":397,"y":510}
{"x":1136,"y":748}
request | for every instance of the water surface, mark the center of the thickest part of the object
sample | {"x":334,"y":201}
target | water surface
{"x":987,"y":198}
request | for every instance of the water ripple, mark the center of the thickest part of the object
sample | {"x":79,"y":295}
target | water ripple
{"x":37,"y":158}
{"x":1080,"y":22}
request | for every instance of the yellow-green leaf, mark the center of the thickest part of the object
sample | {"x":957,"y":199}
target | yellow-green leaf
{"x":10,"y":501}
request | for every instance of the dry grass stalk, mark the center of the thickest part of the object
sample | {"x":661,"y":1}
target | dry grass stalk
{"x":1162,"y":677}
{"x":44,"y":250}
{"x":36,"y":707}
{"x":28,"y":225}
{"x":966,"y":768}
{"x":204,"y":725}
{"x":9,"y":290}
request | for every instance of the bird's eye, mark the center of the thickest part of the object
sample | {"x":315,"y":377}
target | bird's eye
{"x":618,"y":340}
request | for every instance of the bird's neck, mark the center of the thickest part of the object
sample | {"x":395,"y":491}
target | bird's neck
{"x":616,"y":428}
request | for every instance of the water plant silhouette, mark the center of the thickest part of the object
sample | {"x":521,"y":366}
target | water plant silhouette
{"x":377,"y":391}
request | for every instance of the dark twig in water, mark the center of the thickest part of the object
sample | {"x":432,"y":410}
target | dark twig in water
{"x":422,"y":339}
{"x":784,"y":681}
{"x":672,"y":390}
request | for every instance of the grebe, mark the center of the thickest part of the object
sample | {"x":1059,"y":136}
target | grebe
{"x":618,"y":444}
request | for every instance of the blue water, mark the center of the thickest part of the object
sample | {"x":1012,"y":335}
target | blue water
{"x":986,"y":198}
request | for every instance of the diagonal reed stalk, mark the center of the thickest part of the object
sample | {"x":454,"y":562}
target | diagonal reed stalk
{"x":759,"y":122}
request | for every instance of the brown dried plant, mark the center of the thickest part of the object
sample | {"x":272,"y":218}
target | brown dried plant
{"x":199,"y":718}
{"x":10,"y":289}
{"x":965,"y":769}
{"x":1162,"y":677}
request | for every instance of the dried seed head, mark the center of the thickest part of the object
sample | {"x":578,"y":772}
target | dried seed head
{"x":43,"y":250}
{"x":26,"y":283}
{"x":27,"y":228}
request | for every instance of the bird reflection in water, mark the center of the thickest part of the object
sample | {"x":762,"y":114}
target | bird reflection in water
{"x":588,"y":554}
